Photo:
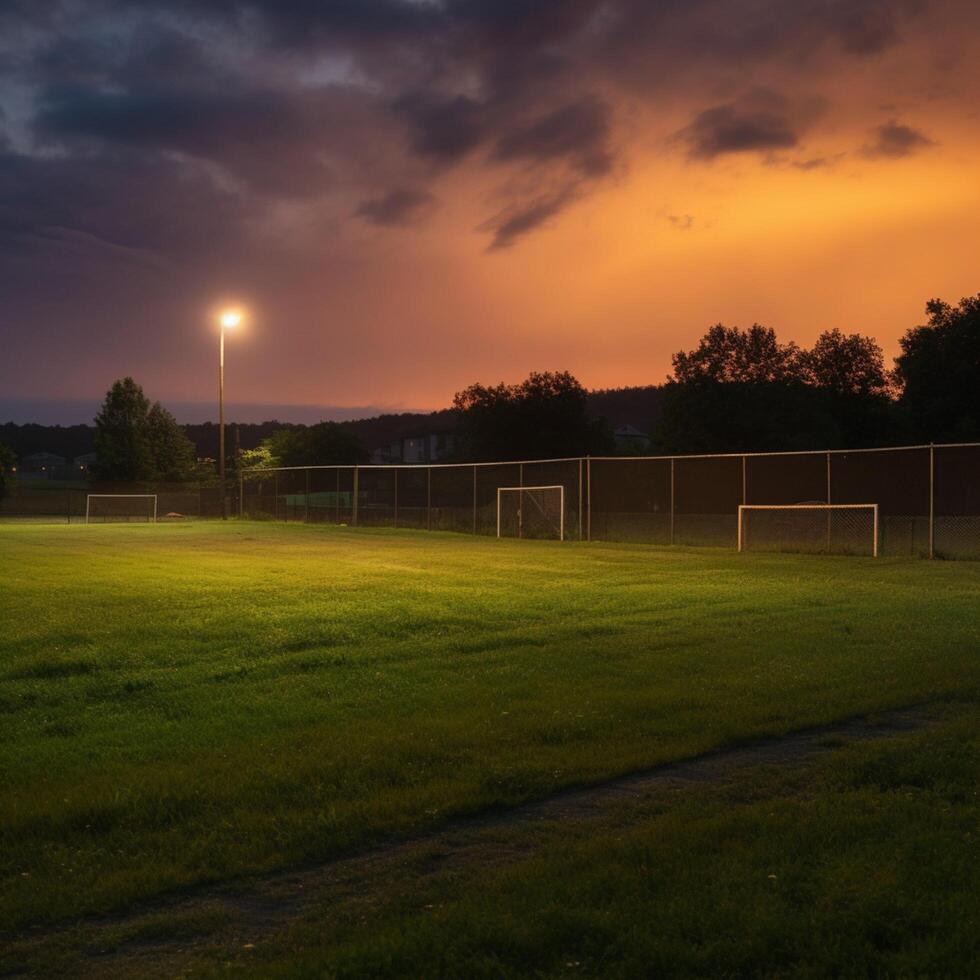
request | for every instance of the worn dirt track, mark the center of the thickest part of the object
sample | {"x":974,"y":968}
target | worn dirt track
{"x":246,"y":910}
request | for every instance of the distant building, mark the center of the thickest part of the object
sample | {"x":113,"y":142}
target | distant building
{"x":429,"y":448}
{"x":629,"y":439}
{"x":43,"y":466}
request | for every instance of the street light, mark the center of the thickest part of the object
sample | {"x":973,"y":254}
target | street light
{"x":228,"y":320}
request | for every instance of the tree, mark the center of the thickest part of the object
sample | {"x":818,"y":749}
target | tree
{"x":6,"y":470}
{"x":260,"y":458}
{"x":122,"y":442}
{"x":331,"y":444}
{"x":173,"y":455}
{"x":289,"y":447}
{"x":741,"y":391}
{"x":847,"y":364}
{"x":323,"y":444}
{"x":729,"y":355}
{"x":938,"y":372}
{"x":543,"y":417}
{"x":135,"y":440}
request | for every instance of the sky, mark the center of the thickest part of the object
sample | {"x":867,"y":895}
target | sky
{"x":409,"y":196}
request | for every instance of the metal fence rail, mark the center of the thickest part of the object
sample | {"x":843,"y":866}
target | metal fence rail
{"x":928,"y":497}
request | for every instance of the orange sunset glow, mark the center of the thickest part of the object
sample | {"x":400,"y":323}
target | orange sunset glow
{"x":418,"y":196}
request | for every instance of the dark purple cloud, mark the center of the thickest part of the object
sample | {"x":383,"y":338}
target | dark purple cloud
{"x":728,"y":129}
{"x":443,"y":129}
{"x":578,"y":133}
{"x":892,"y":140}
{"x":174,"y":126}
{"x":514,"y":222}
{"x":304,"y":98}
{"x":262,"y":136}
{"x":399,"y":206}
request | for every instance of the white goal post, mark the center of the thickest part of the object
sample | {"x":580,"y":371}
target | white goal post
{"x":527,"y":493}
{"x":830,"y":510}
{"x":150,"y":507}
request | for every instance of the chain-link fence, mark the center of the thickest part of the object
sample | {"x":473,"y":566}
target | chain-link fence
{"x":116,"y":502}
{"x":927,"y":498}
{"x":841,"y":529}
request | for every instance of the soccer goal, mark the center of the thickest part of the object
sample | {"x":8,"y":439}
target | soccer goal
{"x":120,"y":507}
{"x":845,"y":529}
{"x":531,"y":512}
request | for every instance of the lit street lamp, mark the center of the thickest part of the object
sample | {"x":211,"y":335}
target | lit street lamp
{"x":228,"y":320}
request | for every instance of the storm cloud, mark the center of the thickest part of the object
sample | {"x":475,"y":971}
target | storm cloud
{"x":296,"y":98}
{"x":724,"y":129}
{"x":893,"y":140}
{"x":294,"y":144}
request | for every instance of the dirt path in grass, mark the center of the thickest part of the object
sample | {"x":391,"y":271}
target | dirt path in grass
{"x":154,"y":939}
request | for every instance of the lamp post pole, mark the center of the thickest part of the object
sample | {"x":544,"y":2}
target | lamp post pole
{"x":227,"y":320}
{"x":221,"y":421}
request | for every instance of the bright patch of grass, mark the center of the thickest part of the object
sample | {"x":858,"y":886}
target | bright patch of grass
{"x":185,"y":704}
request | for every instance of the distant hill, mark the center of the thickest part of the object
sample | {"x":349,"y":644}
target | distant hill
{"x":640,"y":406}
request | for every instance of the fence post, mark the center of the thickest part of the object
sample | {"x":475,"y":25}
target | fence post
{"x":580,"y":531}
{"x":241,"y":491}
{"x":354,"y":513}
{"x":829,"y":536}
{"x":336,"y":499}
{"x":588,"y":493}
{"x":932,"y":500}
{"x":396,"y":496}
{"x":428,"y":498}
{"x":275,"y":494}
{"x":307,"y":519}
{"x":520,"y":506}
{"x":670,"y":539}
{"x":474,"y":498}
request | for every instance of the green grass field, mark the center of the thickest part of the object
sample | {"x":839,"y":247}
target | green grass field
{"x":185,"y":705}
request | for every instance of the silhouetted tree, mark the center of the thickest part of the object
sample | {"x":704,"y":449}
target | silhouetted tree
{"x":728,"y":355}
{"x":741,"y":390}
{"x":6,"y":470}
{"x":939,"y":373}
{"x":331,"y":443}
{"x":122,"y":444}
{"x":543,"y":417}
{"x":135,"y":440}
{"x":173,"y":454}
{"x":848,"y":364}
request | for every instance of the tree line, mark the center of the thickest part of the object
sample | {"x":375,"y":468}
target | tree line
{"x":738,"y":390}
{"x":742,"y":390}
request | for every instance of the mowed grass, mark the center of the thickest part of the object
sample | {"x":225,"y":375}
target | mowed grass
{"x":184,"y":704}
{"x":861,"y":864}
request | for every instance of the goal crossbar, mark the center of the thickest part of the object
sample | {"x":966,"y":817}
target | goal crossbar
{"x":824,"y":507}
{"x":561,"y":506}
{"x":119,"y":496}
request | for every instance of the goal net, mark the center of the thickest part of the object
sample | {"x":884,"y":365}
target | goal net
{"x":531,"y":512}
{"x":841,"y":529}
{"x":102,"y":508}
